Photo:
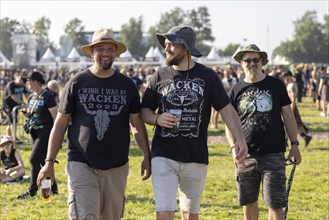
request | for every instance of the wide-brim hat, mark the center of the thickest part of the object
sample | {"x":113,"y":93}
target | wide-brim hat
{"x":251,"y":48}
{"x":181,"y":35}
{"x":5,"y":139}
{"x":35,"y":75}
{"x":104,"y":35}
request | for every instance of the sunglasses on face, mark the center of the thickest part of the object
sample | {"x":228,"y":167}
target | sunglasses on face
{"x":255,"y":60}
{"x":7,"y":144}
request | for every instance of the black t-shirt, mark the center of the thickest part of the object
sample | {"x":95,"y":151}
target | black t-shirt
{"x":13,"y":89}
{"x":41,"y":117}
{"x":193,"y":92}
{"x":10,"y":161}
{"x":259,"y":107}
{"x":100,"y":107}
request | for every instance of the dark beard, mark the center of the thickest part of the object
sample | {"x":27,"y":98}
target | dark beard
{"x":174,"y":60}
{"x":105,"y":66}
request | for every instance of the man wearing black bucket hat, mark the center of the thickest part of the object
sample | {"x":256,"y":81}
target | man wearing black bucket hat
{"x":263,"y":105}
{"x":103,"y":106}
{"x":178,"y":103}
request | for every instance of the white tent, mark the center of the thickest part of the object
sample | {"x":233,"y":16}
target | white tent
{"x":213,"y":55}
{"x":48,"y":56}
{"x":213,"y":59}
{"x":157,"y":53}
{"x":74,"y":55}
{"x":150,"y":53}
{"x":125,"y":59}
{"x":152,"y":58}
{"x":280,"y":60}
{"x":4,"y":62}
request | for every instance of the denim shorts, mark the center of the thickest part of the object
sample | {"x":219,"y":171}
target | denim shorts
{"x":168,"y":176}
{"x":266,"y":169}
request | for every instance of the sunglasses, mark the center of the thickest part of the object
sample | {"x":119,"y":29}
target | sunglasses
{"x":255,"y":60}
{"x":6,"y":144}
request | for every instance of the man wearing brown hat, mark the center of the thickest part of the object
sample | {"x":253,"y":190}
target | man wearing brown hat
{"x":263,"y":105}
{"x":178,"y":103}
{"x":100,"y":102}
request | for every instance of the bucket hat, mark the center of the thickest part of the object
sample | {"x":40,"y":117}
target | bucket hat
{"x":5,"y":139}
{"x":180,"y":35}
{"x":35,"y":75}
{"x":104,"y":35}
{"x":251,"y":48}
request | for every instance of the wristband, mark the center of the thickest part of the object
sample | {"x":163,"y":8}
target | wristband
{"x":294,"y":143}
{"x":51,"y":160}
{"x":156,"y":121}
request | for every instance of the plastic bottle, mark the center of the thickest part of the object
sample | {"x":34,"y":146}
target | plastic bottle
{"x":46,"y":189}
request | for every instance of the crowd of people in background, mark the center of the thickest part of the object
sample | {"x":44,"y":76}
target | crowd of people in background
{"x":306,"y":77}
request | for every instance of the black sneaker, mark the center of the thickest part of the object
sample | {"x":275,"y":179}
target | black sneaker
{"x":307,"y":140}
{"x":26,"y":195}
{"x":55,"y":192}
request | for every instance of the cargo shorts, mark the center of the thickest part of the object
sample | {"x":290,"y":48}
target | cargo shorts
{"x":267,"y":169}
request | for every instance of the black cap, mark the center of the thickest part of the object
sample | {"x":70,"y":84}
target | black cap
{"x":36,"y":76}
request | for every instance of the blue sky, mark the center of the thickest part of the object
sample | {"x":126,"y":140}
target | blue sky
{"x":265,"y":23}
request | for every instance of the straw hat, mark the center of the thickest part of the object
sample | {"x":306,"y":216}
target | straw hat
{"x":104,"y":35}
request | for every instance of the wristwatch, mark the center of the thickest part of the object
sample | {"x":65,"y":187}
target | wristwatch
{"x":294,"y":143}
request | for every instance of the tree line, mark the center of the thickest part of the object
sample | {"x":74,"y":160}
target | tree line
{"x":310,"y":42}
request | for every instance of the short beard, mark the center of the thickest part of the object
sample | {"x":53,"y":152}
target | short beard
{"x":105,"y":66}
{"x":174,"y":60}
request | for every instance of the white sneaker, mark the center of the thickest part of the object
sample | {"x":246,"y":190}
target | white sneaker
{"x":322,"y":114}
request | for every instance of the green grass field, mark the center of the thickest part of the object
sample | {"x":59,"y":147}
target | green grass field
{"x":309,"y":196}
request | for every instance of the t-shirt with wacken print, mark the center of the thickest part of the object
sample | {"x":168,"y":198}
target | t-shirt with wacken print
{"x":192,"y":93}
{"x":99,"y":133}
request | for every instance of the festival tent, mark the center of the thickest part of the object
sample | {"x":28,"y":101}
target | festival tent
{"x":125,"y":59}
{"x":4,"y":62}
{"x":157,"y":53}
{"x":213,"y":59}
{"x":74,"y":60}
{"x":213,"y":55}
{"x":280,"y":60}
{"x":48,"y":56}
{"x":152,"y":57}
{"x":74,"y":55}
{"x":48,"y":60}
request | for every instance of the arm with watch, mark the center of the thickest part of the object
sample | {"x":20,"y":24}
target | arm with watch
{"x":291,"y":129}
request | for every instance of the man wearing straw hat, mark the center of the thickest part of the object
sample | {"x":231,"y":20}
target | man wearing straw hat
{"x":263,"y":105}
{"x":101,"y":103}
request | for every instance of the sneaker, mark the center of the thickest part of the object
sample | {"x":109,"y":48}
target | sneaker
{"x":307,"y":140}
{"x":55,"y":192}
{"x":322,"y":114}
{"x":26,"y":195}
